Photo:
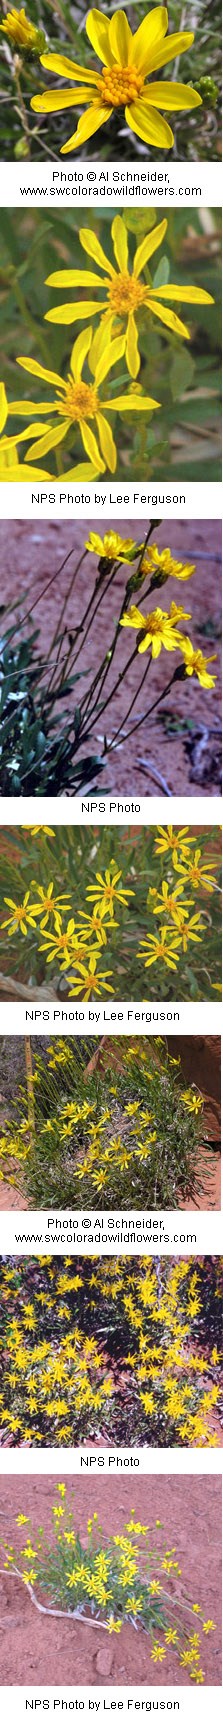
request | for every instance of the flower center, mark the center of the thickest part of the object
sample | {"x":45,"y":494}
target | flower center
{"x":120,"y":85}
{"x":125,"y":294}
{"x":79,"y":401}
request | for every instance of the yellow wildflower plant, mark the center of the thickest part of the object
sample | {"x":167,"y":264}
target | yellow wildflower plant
{"x":128,"y":60}
{"x":78,"y":404}
{"x":104,"y":916}
{"x":21,"y":33}
{"x":54,"y":1367}
{"x":110,"y":1584}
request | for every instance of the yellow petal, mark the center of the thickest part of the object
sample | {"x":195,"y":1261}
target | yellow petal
{"x":83,"y":471}
{"x":107,"y":445}
{"x":113,"y":351}
{"x":71,"y":314}
{"x":120,"y":243}
{"x":172,"y":96}
{"x":67,"y":68}
{"x":148,"y":125}
{"x":16,"y":472}
{"x":40,"y":371}
{"x":79,"y":352}
{"x":49,"y":441}
{"x":127,"y":403}
{"x":88,"y":124}
{"x":149,"y":38}
{"x":148,"y":246}
{"x":97,"y":28}
{"x":104,"y":332}
{"x":120,"y":38}
{"x":169,"y":318}
{"x":131,"y":348}
{"x":89,"y":442}
{"x":24,"y":409}
{"x":21,"y":437}
{"x":73,"y":279}
{"x":191,"y":296}
{"x":3,"y":407}
{"x":94,"y":250}
{"x":54,"y":101}
{"x":177,"y":43}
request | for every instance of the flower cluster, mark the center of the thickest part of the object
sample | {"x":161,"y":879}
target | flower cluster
{"x":116,"y":1580}
{"x":78,"y":407}
{"x":172,"y":879}
{"x":120,"y":1129}
{"x":132,"y":1347}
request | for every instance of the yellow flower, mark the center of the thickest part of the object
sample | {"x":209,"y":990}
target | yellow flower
{"x":171,"y":1636}
{"x":77,"y":404}
{"x":21,"y":1519}
{"x":196,"y":874}
{"x":21,"y":916}
{"x":168,"y":840}
{"x":47,"y":903}
{"x":192,"y":1101}
{"x":157,"y":629}
{"x":21,"y":32}
{"x":190,"y":929}
{"x":59,"y":944}
{"x":169,"y":903}
{"x":163,"y":947}
{"x":164,"y":564}
{"x":158,"y":1653}
{"x":198,"y":1675}
{"x":155,"y":1587}
{"x":112,"y":548}
{"x":90,"y":982}
{"x":196,"y":663}
{"x":209,"y":1625}
{"x":106,"y":889}
{"x":125,"y":294}
{"x":114,"y":1624}
{"x":127,"y":62}
{"x":29,"y":1576}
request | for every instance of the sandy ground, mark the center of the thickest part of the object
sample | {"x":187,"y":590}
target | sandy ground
{"x":31,"y":552}
{"x":44,"y":1651}
{"x":200,"y":1058}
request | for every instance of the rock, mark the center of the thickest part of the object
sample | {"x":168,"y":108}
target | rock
{"x":103,"y":1662}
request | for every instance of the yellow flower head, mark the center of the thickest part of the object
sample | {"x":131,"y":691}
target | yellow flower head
{"x":157,"y":630}
{"x":78,"y":406}
{"x":21,"y":32}
{"x":127,"y":63}
{"x":124,"y":295}
{"x":112,"y":548}
{"x":161,"y":564}
{"x":196,"y":664}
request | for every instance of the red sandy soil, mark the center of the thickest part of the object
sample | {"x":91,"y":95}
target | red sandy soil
{"x":31,"y":552}
{"x":46,"y":1651}
{"x":200,"y":1057}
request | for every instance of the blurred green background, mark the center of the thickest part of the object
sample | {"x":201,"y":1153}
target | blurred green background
{"x":26,"y":135}
{"x":182,"y":439}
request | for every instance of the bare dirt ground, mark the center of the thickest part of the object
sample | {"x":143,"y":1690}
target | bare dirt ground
{"x":200,"y":1058}
{"x":28,"y":556}
{"x":46,"y":1651}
